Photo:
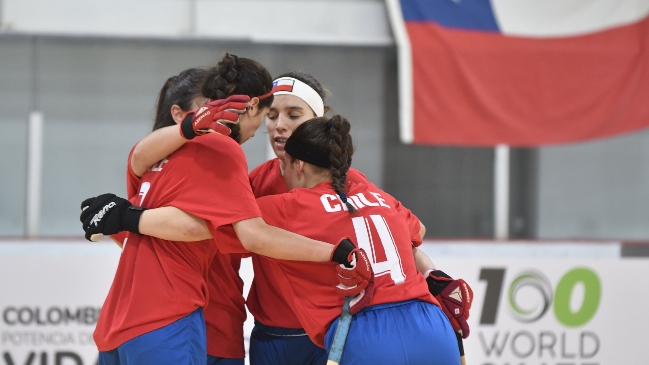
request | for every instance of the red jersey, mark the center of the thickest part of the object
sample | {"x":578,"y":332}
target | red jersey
{"x":226,"y":311}
{"x":380,"y":227}
{"x":158,"y":281}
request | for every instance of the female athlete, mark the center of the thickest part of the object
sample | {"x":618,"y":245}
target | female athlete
{"x":402,"y":312}
{"x":224,"y":320}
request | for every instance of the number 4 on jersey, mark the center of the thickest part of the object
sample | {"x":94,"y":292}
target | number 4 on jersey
{"x":365,"y":238}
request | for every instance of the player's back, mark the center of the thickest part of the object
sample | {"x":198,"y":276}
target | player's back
{"x":378,"y":227}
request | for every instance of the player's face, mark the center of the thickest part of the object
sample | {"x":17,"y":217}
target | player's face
{"x":198,"y":102}
{"x":250,"y":123}
{"x":286,"y":114}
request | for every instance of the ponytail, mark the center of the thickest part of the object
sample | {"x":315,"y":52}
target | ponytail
{"x":341,"y":150}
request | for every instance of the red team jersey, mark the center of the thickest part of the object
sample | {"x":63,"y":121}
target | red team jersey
{"x":226,"y":311}
{"x":265,"y":301}
{"x":382,"y":227}
{"x":158,"y":281}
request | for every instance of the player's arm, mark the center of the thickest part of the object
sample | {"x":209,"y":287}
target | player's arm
{"x":173,"y":224}
{"x":422,"y":230}
{"x":109,"y":214}
{"x":164,"y":141}
{"x":426,"y":267}
{"x":263,"y":239}
{"x":256,"y":236}
{"x":422,"y":261}
{"x":154,"y":147}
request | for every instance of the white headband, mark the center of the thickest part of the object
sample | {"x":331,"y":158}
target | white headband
{"x":291,"y":86}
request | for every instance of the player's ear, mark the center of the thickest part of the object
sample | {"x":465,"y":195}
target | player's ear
{"x":299,"y":168}
{"x":254,"y":107}
{"x":177,"y":113}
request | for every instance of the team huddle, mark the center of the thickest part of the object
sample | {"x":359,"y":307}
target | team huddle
{"x":317,"y":230}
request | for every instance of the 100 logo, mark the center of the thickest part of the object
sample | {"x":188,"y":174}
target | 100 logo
{"x":559,"y":299}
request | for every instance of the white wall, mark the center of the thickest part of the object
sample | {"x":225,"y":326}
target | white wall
{"x":357,"y":22}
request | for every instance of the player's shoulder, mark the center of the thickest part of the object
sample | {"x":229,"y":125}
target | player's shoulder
{"x":265,"y":169}
{"x":213,"y":141}
{"x":216,"y":144}
{"x":357,"y":186}
{"x":369,"y":187}
{"x":277,"y":199}
{"x":272,"y":208}
{"x":356,"y":176}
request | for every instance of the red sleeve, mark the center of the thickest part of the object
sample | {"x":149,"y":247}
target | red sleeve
{"x":227,"y":241}
{"x":273,"y":210}
{"x":215,"y":187}
{"x":413,"y":222}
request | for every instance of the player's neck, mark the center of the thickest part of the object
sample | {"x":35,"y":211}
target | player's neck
{"x":281,"y":166}
{"x":313,"y":180}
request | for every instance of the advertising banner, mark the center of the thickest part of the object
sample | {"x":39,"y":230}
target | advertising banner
{"x":541,"y":310}
{"x":555,"y":311}
{"x":50,"y":298}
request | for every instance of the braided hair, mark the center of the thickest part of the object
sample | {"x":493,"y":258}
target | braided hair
{"x":178,"y":90}
{"x":331,"y":138}
{"x":235,"y":75}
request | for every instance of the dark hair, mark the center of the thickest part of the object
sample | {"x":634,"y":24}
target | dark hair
{"x":243,"y":76}
{"x":178,"y":90}
{"x":330,"y":136}
{"x":312,"y":82}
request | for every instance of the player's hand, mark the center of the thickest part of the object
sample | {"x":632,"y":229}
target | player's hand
{"x":109,"y":214}
{"x":355,"y":275}
{"x":361,"y":300}
{"x":454,"y":296}
{"x":214,"y":116}
{"x":354,"y":271}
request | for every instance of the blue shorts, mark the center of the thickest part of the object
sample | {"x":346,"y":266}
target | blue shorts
{"x":275,"y":346}
{"x":214,"y":360}
{"x":412,"y":332}
{"x":182,"y":342}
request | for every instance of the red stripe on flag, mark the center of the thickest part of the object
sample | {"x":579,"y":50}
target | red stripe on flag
{"x":288,"y":88}
{"x":482,"y":89}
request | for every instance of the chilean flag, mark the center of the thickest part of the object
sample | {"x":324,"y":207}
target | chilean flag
{"x":283,"y":85}
{"x":521,"y":72}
